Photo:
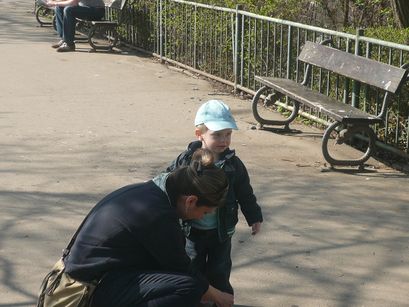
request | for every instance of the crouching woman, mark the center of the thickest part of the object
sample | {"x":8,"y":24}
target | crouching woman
{"x":130,"y":248}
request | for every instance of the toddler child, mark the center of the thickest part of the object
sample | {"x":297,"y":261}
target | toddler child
{"x":208,"y":242}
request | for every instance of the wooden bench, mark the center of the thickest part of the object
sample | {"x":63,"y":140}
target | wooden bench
{"x":106,"y":28}
{"x":348,"y":122}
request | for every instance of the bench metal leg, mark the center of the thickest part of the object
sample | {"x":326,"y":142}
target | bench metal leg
{"x":338,"y":134}
{"x":111,"y":41}
{"x":44,"y":15}
{"x":272,"y":99}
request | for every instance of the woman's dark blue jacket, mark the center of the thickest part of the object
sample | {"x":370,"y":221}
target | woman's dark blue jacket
{"x":135,"y":228}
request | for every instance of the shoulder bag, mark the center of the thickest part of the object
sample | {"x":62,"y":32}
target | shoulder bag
{"x":58,"y":289}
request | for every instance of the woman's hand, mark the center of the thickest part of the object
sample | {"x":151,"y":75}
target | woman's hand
{"x":224,"y":299}
{"x":221,"y":299}
{"x":50,"y":3}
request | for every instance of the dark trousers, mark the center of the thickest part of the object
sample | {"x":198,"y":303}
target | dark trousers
{"x":210,"y":257}
{"x":66,"y":18}
{"x":149,"y":289}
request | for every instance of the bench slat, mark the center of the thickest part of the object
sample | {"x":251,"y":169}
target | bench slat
{"x":339,"y":111}
{"x":384,"y":76}
{"x":105,"y":23}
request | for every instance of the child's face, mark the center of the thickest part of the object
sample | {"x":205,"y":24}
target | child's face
{"x":216,"y":141}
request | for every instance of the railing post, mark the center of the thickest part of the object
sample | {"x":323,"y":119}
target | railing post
{"x":237,"y":47}
{"x":346,"y":82}
{"x":356,"y":86}
{"x":157,"y":37}
{"x":195,"y":38}
{"x":289,"y":48}
{"x":160,"y":30}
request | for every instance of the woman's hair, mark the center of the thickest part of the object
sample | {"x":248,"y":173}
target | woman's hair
{"x":201,"y":178}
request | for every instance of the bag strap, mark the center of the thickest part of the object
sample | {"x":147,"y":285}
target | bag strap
{"x":66,"y":250}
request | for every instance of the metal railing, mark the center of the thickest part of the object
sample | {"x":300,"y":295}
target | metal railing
{"x":233,"y":45}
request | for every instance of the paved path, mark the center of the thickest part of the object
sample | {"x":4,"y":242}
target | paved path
{"x":75,"y":126}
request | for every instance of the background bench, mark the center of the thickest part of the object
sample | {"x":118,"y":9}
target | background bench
{"x":44,"y":15}
{"x":107,"y":29}
{"x":349,"y":123}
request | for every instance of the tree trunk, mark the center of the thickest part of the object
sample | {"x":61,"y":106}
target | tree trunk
{"x":401,"y":12}
{"x":346,"y":13}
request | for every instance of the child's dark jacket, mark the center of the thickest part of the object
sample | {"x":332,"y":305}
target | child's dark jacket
{"x":240,"y":191}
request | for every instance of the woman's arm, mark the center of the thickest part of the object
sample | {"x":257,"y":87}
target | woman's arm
{"x":62,"y":2}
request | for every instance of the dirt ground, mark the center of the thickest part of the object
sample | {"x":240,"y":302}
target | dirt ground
{"x":76,"y":126}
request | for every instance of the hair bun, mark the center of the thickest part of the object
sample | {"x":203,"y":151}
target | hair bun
{"x":201,"y":178}
{"x":203,"y":157}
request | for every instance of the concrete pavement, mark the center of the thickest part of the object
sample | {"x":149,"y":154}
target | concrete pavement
{"x":76,"y":126}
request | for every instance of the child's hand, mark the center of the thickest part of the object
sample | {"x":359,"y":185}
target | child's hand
{"x":255,"y":228}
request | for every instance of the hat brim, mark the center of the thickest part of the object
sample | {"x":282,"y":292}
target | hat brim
{"x":221,"y":125}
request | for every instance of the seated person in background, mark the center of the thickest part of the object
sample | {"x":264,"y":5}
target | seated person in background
{"x":66,"y":13}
